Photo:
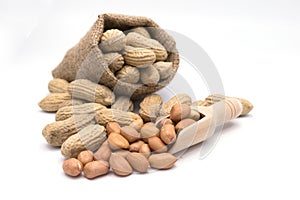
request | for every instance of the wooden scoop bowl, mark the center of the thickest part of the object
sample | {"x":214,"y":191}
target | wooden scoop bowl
{"x":215,"y":115}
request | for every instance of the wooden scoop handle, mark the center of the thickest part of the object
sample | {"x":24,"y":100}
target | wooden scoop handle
{"x":215,"y":115}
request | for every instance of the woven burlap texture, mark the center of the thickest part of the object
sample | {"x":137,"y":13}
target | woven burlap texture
{"x":85,"y":59}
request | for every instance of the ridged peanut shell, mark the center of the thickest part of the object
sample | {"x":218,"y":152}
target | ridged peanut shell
{"x":92,"y":92}
{"x":137,"y":40}
{"x":91,"y":137}
{"x":58,"y":85}
{"x":142,"y":31}
{"x":139,"y":57}
{"x":128,"y":74}
{"x":112,"y":115}
{"x":52,"y":102}
{"x":112,"y":40}
{"x":164,"y":69}
{"x":149,"y":75}
{"x":150,"y":107}
{"x":68,"y":111}
{"x":115,"y":61}
{"x":58,"y":132}
{"x":70,"y":102}
{"x":179,"y":98}
{"x":123,"y":103}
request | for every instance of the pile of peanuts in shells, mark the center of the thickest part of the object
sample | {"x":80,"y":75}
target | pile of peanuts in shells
{"x":135,"y":57}
{"x":98,"y":132}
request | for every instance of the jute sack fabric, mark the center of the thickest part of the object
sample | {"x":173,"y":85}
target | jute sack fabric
{"x":85,"y":60}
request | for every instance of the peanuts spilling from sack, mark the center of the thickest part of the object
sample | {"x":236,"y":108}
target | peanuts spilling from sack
{"x":99,"y":133}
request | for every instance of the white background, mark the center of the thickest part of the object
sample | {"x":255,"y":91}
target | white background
{"x":255,"y":46}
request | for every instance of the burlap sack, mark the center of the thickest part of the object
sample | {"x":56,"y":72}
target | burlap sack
{"x":85,"y":59}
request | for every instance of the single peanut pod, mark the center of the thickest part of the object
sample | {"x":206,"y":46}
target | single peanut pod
{"x":103,"y":153}
{"x":183,"y":124}
{"x":85,"y":156}
{"x":58,"y":132}
{"x":68,"y":111}
{"x":139,"y":57}
{"x":112,"y":115}
{"x":145,"y":150}
{"x":58,"y":85}
{"x":117,"y":141}
{"x":162,"y":161}
{"x":149,"y":130}
{"x":113,"y":127}
{"x":157,"y":145}
{"x":112,"y":40}
{"x":138,"y":162}
{"x":149,"y":75}
{"x":120,"y":165}
{"x":115,"y":61}
{"x":150,"y":107}
{"x":123,"y":103}
{"x":92,"y":92}
{"x":130,"y":134}
{"x":128,"y":74}
{"x":89,"y":138}
{"x":178,"y":99}
{"x":52,"y":102}
{"x":179,"y":112}
{"x":70,"y":102}
{"x":95,"y":169}
{"x":142,"y":31}
{"x":164,"y":69}
{"x":135,"y":147}
{"x":72,"y":167}
{"x":138,"y":40}
{"x":168,"y":134}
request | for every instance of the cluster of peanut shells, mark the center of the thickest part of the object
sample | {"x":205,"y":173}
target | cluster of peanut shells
{"x":134,"y":57}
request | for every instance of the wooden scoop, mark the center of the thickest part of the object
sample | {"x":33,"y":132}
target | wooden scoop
{"x":215,"y":115}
